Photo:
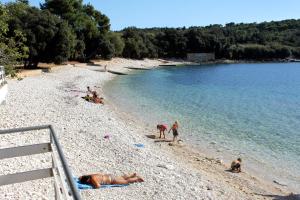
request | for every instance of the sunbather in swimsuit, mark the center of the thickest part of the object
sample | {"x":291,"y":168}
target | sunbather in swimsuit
{"x":96,"y":180}
{"x":96,"y":99}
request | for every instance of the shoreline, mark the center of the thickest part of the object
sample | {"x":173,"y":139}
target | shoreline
{"x":81,"y":126}
{"x":199,"y":156}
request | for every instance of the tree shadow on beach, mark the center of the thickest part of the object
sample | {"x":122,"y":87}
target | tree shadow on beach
{"x":279,"y":197}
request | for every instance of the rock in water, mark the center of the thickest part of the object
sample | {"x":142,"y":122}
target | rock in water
{"x":278,"y":183}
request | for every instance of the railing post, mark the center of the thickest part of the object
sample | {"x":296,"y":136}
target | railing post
{"x":57,"y":196}
{"x":67,"y":171}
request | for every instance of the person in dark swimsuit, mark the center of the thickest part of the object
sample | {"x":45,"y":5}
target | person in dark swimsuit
{"x":174,"y":129}
{"x":96,"y":180}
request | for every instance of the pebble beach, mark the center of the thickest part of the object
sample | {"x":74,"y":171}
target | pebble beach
{"x":169,"y":172}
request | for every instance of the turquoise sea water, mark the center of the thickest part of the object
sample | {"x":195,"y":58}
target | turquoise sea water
{"x":246,"y":110}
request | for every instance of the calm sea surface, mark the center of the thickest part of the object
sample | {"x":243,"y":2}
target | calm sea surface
{"x":238,"y":110}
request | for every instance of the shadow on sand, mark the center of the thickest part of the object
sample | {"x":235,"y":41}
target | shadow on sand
{"x":232,"y":172}
{"x":151,"y":136}
{"x":163,"y":140}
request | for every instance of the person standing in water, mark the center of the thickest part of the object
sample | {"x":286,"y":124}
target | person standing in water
{"x":174,"y":129}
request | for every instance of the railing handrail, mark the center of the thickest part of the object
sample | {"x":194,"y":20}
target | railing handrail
{"x":24,"y":129}
{"x":66,"y":169}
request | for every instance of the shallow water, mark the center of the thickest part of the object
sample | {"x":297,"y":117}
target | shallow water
{"x":246,"y":110}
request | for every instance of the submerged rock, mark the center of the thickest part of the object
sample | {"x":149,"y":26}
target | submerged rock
{"x":279,"y":183}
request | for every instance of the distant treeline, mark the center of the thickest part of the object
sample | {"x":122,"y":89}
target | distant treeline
{"x":62,"y":30}
{"x":264,"y":41}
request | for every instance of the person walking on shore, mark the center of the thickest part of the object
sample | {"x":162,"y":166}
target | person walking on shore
{"x":174,"y":129}
{"x":162,"y":128}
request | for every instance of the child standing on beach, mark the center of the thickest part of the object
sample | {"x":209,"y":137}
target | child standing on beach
{"x":174,"y":128}
{"x":162,"y":128}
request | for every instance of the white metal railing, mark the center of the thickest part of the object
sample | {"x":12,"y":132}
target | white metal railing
{"x":2,"y":76}
{"x":64,"y":184}
{"x":3,"y":86}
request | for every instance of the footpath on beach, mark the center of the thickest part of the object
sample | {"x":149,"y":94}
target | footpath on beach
{"x":82,"y":128}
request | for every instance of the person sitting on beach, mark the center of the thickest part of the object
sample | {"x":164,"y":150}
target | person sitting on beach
{"x":174,"y":128}
{"x":236,"y":165}
{"x":96,"y":180}
{"x":89,"y":94}
{"x":162,"y":128}
{"x":96,"y":99}
{"x":89,"y":91}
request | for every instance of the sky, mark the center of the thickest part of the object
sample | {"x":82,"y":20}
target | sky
{"x":179,"y":13}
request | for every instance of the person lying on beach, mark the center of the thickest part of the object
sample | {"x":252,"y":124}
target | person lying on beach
{"x":99,"y":100}
{"x":96,"y":99}
{"x":96,"y":180}
{"x":162,"y":128}
{"x":174,"y":128}
{"x":236,"y":165}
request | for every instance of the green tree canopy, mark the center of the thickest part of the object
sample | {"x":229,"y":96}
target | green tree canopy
{"x":90,"y":26}
{"x":49,"y":38}
{"x":264,"y":41}
{"x":12,"y":48}
{"x":68,"y":29}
